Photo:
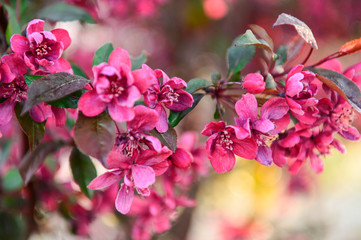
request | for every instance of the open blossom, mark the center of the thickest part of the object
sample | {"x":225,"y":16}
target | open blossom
{"x":225,"y":141}
{"x":300,"y":91}
{"x":132,"y":142}
{"x":167,"y":93}
{"x":139,"y":173}
{"x":42,"y":48}
{"x":116,"y":88}
{"x":254,"y":83}
{"x":274,"y":118}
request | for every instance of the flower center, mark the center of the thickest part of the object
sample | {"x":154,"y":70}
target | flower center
{"x":128,"y":144}
{"x":225,"y":140}
{"x":42,"y":49}
{"x":16,"y":90}
{"x":344,"y":118}
{"x":169,"y":94}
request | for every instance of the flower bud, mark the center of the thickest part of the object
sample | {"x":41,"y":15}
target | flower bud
{"x":254,"y":83}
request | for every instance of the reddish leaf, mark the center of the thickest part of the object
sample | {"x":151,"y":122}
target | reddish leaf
{"x":260,"y":32}
{"x":32,"y":160}
{"x":302,"y":29}
{"x":95,"y":136}
{"x":341,"y":84}
{"x":352,"y":46}
{"x":53,"y":87}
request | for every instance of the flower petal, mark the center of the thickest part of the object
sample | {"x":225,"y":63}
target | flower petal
{"x":144,"y":78}
{"x":36,"y":25}
{"x":118,"y":57}
{"x":263,"y":125}
{"x":264,"y":155}
{"x":116,"y":160}
{"x":185,"y":100}
{"x":19,"y":44}
{"x":62,"y":35}
{"x":246,"y":107}
{"x":275,"y":108}
{"x":143,"y":176}
{"x":162,"y":124}
{"x":124,"y":199}
{"x":213,"y":127}
{"x":144,"y":120}
{"x":245,"y":148}
{"x":90,"y":104}
{"x":181,"y":158}
{"x":104,"y":180}
{"x":222,"y":160}
{"x":120,"y":114}
{"x":6,"y":111}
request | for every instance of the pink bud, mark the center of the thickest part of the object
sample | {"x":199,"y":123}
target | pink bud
{"x":254,"y":83}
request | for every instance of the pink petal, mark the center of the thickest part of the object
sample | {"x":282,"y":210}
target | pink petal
{"x":62,"y":35}
{"x":60,"y":65}
{"x":294,"y":85}
{"x":150,"y":157}
{"x":281,"y":124}
{"x":115,"y":160}
{"x":6,"y":111}
{"x":275,"y":108}
{"x":120,"y":114}
{"x":118,"y":57}
{"x":40,"y":112}
{"x":351,"y":133}
{"x":263,"y":125}
{"x":162,"y":124}
{"x":128,"y":99}
{"x":144,"y":78}
{"x":222,"y":160}
{"x":264,"y":155}
{"x":144,"y":120}
{"x":105,"y":180}
{"x":153,"y":142}
{"x":176,"y":83}
{"x":160,"y":168}
{"x":181,"y":158}
{"x":246,"y":107}
{"x":185,"y":100}
{"x":15,"y":63}
{"x":246,"y":148}
{"x":90,"y":104}
{"x":254,"y":83}
{"x":143,"y":176}
{"x":124,"y":199}
{"x":36,"y":25}
{"x":19,"y":44}
{"x":5,"y":75}
{"x":240,"y":133}
{"x":213,"y":127}
{"x":278,"y":155}
{"x":60,"y":116}
{"x":316,"y":163}
{"x":296,"y":69}
{"x":295,"y":167}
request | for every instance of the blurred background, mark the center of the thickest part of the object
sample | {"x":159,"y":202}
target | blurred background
{"x":189,"y":39}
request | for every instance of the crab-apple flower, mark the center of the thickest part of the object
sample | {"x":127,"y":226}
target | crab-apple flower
{"x":225,"y":141}
{"x":254,"y":83}
{"x":135,"y":139}
{"x":273,"y":119}
{"x":167,"y":93}
{"x":42,"y":48}
{"x":115,"y":88}
{"x":300,"y":91}
{"x":139,"y":173}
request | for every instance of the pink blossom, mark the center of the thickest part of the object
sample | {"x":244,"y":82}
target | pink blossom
{"x":167,"y":93}
{"x":116,"y":88}
{"x":273,"y":119}
{"x":225,"y":141}
{"x":300,"y":91}
{"x":139,"y":173}
{"x":132,"y":142}
{"x":42,"y":48}
{"x":254,"y":83}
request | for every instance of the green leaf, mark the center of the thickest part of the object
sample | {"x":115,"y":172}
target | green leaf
{"x":238,"y":58}
{"x":341,"y":84}
{"x":215,"y":77}
{"x":196,"y":84}
{"x":29,"y":79}
{"x":281,"y":55}
{"x":138,"y":61}
{"x":248,"y":38}
{"x":95,"y":136}
{"x":11,"y":226}
{"x":169,"y":138}
{"x":176,"y":116}
{"x":12,"y":180}
{"x":34,"y":130}
{"x":102,"y":54}
{"x":78,"y":71}
{"x":216,"y":115}
{"x":62,"y":11}
{"x":32,"y":160}
{"x":83,"y":171}
{"x":302,"y":29}
{"x":5,"y":146}
{"x":13,"y":25}
{"x":53,"y":87}
{"x":270,"y":82}
{"x":70,"y":101}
